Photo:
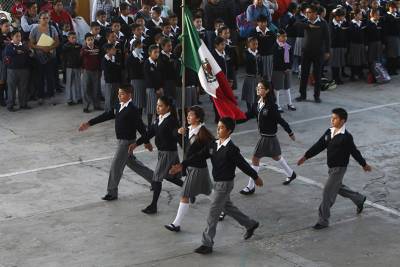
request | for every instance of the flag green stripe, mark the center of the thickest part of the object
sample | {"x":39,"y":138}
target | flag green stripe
{"x":192,"y":43}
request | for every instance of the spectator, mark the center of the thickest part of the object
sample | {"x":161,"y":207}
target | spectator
{"x":105,"y":5}
{"x":257,"y":9}
{"x":59,"y":15}
{"x":165,"y":10}
{"x":46,"y":6}
{"x":29,"y":20}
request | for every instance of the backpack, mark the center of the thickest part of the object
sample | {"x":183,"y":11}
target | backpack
{"x":245,"y":27}
{"x":381,"y":74}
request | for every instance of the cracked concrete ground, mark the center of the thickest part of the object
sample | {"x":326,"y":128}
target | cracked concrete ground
{"x":52,"y":178}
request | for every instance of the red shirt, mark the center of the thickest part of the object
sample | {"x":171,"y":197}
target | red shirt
{"x":62,"y":18}
{"x":90,"y":58}
{"x":18,"y":9}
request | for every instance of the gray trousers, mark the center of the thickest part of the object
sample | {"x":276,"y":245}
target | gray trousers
{"x":110,"y":96}
{"x":120,"y":160}
{"x":332,"y":188}
{"x":73,"y":90}
{"x":90,"y":82}
{"x":17,"y":79}
{"x":222,"y":202}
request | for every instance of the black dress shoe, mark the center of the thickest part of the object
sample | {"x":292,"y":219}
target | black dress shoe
{"x":248,"y":191}
{"x":319,"y":226}
{"x":109,"y":197}
{"x":317,"y":100}
{"x":290,"y":179}
{"x":150,"y":210}
{"x":249,"y":233}
{"x":203,"y":250}
{"x":291,"y":107}
{"x":192,"y":200}
{"x":221,"y":216}
{"x":173,"y":228}
{"x":361,"y":206}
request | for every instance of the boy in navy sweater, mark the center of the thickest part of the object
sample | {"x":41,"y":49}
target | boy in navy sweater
{"x":112,"y":76}
{"x":16,"y":56}
{"x":340,"y":145}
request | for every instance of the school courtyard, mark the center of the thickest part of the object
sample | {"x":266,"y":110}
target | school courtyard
{"x":52,"y":179}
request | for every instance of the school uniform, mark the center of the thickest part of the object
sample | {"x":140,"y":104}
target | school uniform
{"x":224,"y":62}
{"x":5,"y":39}
{"x":90,"y":77}
{"x":136,"y":76}
{"x":72,"y":65}
{"x":230,"y":50}
{"x":153,"y":81}
{"x":266,"y":41}
{"x":225,"y":158}
{"x":298,"y":47}
{"x":253,"y":73}
{"x":16,"y":58}
{"x":339,"y":148}
{"x":168,"y":69}
{"x":171,"y":36}
{"x":282,"y":63}
{"x":391,"y":27}
{"x":191,"y":85}
{"x":126,"y":23}
{"x":197,"y":175}
{"x":338,"y":32}
{"x":104,"y":28}
{"x":356,"y":57}
{"x":127,"y":122}
{"x":176,"y":31}
{"x":287,"y":22}
{"x":112,"y":77}
{"x":203,"y":36}
{"x":374,"y":37}
{"x":154,"y":27}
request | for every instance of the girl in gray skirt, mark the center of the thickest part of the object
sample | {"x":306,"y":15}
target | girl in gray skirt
{"x":197,"y":176}
{"x":268,"y":145}
{"x":165,"y":131}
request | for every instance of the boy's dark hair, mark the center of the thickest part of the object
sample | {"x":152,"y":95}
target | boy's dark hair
{"x":251,"y":39}
{"x":172,"y":16}
{"x":221,"y":29}
{"x":123,"y":6}
{"x":339,"y":12}
{"x":165,"y":23}
{"x":153,"y":47}
{"x":114,"y":21}
{"x":292,"y":7}
{"x":100,"y":13}
{"x":219,"y":21}
{"x":262,"y":18}
{"x":71,"y":33}
{"x":127,"y":88}
{"x":170,"y":103}
{"x":313,"y":8}
{"x":341,"y":113}
{"x":156,"y":9}
{"x":89,"y":35}
{"x":14,"y":32}
{"x":108,"y":33}
{"x":136,"y":43}
{"x":94,"y":24}
{"x":108,"y":47}
{"x":229,"y":123}
{"x":204,"y":136}
{"x":135,"y":26}
{"x":197,"y":17}
{"x":218,"y":40}
{"x":4,"y":21}
{"x":165,"y":41}
{"x":303,"y":6}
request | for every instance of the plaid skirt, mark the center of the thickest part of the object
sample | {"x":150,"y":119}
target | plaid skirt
{"x":151,"y":101}
{"x":197,"y":182}
{"x":374,"y":52}
{"x":139,"y":93}
{"x":268,"y":66}
{"x":392,"y":46}
{"x":190,"y":96}
{"x":298,"y":47}
{"x":281,"y":80}
{"x":267,"y":146}
{"x":356,"y":55}
{"x":165,"y":161}
{"x":249,"y":93}
{"x":338,"y":57}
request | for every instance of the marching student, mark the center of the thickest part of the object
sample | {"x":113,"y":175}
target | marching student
{"x":197,"y":181}
{"x":127,"y":122}
{"x":225,"y":157}
{"x":266,"y":40}
{"x":167,"y":67}
{"x":253,"y":73}
{"x":135,"y":73}
{"x":165,"y":131}
{"x":338,"y":30}
{"x":282,"y":64}
{"x":16,"y":58}
{"x":72,"y":63}
{"x":153,"y":82}
{"x":112,"y":76}
{"x":340,"y":145}
{"x":356,"y":37}
{"x":268,"y":145}
{"x":90,"y":55}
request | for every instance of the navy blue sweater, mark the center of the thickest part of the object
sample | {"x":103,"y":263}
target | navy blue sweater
{"x":16,"y":56}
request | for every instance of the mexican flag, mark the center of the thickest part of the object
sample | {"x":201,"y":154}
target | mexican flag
{"x":198,"y":58}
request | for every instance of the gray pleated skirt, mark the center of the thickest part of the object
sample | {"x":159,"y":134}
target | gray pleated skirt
{"x":338,"y":57}
{"x":249,"y":93}
{"x":267,"y":65}
{"x":356,"y":55}
{"x":281,"y":80}
{"x":165,"y":161}
{"x":190,"y":96}
{"x":374,"y":52}
{"x":3,"y":71}
{"x":197,"y":182}
{"x":139,"y":93}
{"x":267,"y":146}
{"x":151,"y":101}
{"x":393,"y":46}
{"x":298,"y":47}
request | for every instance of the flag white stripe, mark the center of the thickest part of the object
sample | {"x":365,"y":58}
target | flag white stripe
{"x":205,"y":55}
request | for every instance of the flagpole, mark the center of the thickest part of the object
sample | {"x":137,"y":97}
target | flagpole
{"x":183,"y":76}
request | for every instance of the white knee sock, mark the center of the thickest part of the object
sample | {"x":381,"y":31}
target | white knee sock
{"x":289,"y":97}
{"x":277,"y":98}
{"x":285,"y":167}
{"x":183,"y":208}
{"x":251,"y":183}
